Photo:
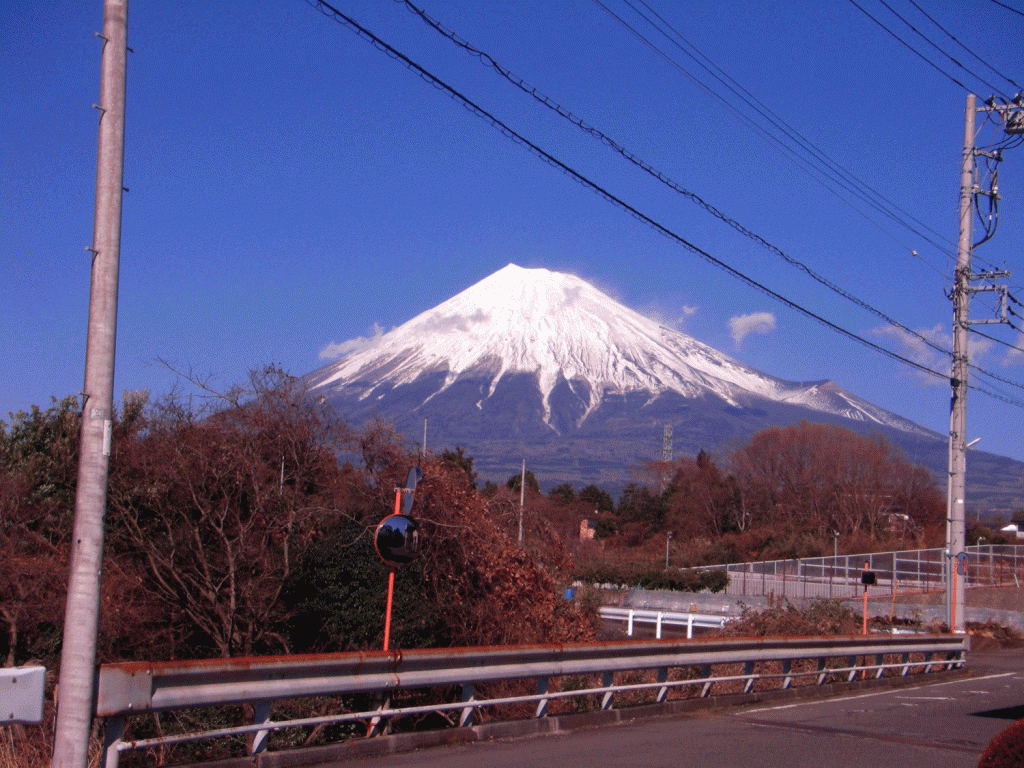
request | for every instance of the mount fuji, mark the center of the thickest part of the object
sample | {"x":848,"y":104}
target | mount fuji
{"x":535,"y":364}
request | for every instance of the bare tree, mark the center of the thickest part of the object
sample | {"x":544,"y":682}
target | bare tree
{"x":218,"y":507}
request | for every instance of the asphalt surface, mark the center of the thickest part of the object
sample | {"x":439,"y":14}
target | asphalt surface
{"x":945,"y":724}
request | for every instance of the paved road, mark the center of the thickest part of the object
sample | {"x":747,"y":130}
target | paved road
{"x":944,"y":724}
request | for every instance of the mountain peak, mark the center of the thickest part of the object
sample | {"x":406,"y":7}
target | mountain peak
{"x":557,"y":328}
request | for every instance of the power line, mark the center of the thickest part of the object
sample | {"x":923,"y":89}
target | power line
{"x":341,"y":18}
{"x":1004,"y":5}
{"x":913,"y":50}
{"x":608,"y":141}
{"x":997,"y":341}
{"x":850,"y":183}
{"x":1010,"y":80}
{"x":919,"y":33}
{"x":774,"y":119}
{"x":489,"y":61}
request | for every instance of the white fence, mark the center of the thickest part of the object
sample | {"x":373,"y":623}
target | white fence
{"x":659,"y":619}
{"x":917,"y":570}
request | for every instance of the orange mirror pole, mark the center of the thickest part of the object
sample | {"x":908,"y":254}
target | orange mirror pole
{"x":391,"y":581}
{"x":387,"y":615}
{"x":865,"y":601}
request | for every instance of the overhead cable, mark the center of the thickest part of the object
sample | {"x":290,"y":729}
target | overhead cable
{"x":1004,"y":5}
{"x":328,"y":10}
{"x":608,"y":141}
{"x":1010,"y":80}
{"x":762,"y":109}
{"x":997,"y":341}
{"x":913,"y":50}
{"x":919,"y":33}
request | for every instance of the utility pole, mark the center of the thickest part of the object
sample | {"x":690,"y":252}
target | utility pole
{"x":522,"y":501}
{"x":1011,"y":115}
{"x":81,"y":617}
{"x":955,"y":533}
{"x":666,"y":456}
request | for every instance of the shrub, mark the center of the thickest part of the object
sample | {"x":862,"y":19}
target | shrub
{"x":646,"y":577}
{"x":1006,"y":750}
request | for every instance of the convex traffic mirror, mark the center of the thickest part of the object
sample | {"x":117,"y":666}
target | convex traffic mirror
{"x":397,"y":540}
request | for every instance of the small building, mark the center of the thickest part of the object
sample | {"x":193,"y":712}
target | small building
{"x":1016,"y":526}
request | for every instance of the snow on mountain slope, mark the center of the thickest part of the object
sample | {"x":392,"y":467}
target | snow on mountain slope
{"x":556,"y":326}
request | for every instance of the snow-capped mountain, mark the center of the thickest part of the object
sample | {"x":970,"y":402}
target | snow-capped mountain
{"x":559,"y":328}
{"x":542,"y":365}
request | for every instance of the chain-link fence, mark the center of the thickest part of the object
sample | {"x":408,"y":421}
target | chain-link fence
{"x":915,"y":570}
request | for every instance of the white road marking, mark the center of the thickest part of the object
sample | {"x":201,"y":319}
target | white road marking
{"x":879,"y":693}
{"x":927,"y":698}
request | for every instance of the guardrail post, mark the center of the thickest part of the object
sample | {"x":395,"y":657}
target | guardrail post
{"x":662,"y":677}
{"x":379,"y":725}
{"x":689,"y":626}
{"x":113,"y":730}
{"x":629,"y":623}
{"x":787,"y":667}
{"x":261,"y":715}
{"x":657,"y":627}
{"x":542,"y":705}
{"x":466,"y":713}
{"x":879,"y":660}
{"x":822,"y":673}
{"x":852,"y":663}
{"x":706,"y":673}
{"x":607,"y":678}
{"x":748,"y":671}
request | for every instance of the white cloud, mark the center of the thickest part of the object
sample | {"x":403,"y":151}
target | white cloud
{"x":687,"y":312}
{"x":742,"y":326}
{"x":335,"y":349}
{"x":1016,"y":356}
{"x":670,"y":318}
{"x":916,"y":349}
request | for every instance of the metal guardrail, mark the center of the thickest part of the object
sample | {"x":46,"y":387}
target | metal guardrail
{"x":128,"y":689}
{"x":21,"y":695}
{"x":839,"y":577}
{"x":662,"y":618}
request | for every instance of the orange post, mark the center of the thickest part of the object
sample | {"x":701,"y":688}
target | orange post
{"x":865,"y":600}
{"x":391,"y":580}
{"x":387,"y":615}
{"x":952,"y":604}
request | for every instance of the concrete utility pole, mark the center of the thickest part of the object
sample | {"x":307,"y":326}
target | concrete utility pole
{"x":78,"y":653}
{"x":1011,"y":115}
{"x":955,"y":532}
{"x":522,"y":501}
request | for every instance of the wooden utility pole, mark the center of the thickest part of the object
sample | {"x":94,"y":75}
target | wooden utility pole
{"x":81,"y":617}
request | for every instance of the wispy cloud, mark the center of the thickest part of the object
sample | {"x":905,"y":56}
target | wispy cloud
{"x":742,"y":326}
{"x":446,"y":323}
{"x":335,"y":349}
{"x":1016,"y":356}
{"x":916,"y":349}
{"x":674,"y":318}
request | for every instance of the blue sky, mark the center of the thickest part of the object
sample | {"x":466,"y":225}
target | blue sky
{"x":292,"y":187}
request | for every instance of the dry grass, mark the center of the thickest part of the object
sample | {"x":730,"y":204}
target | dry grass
{"x":30,"y":746}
